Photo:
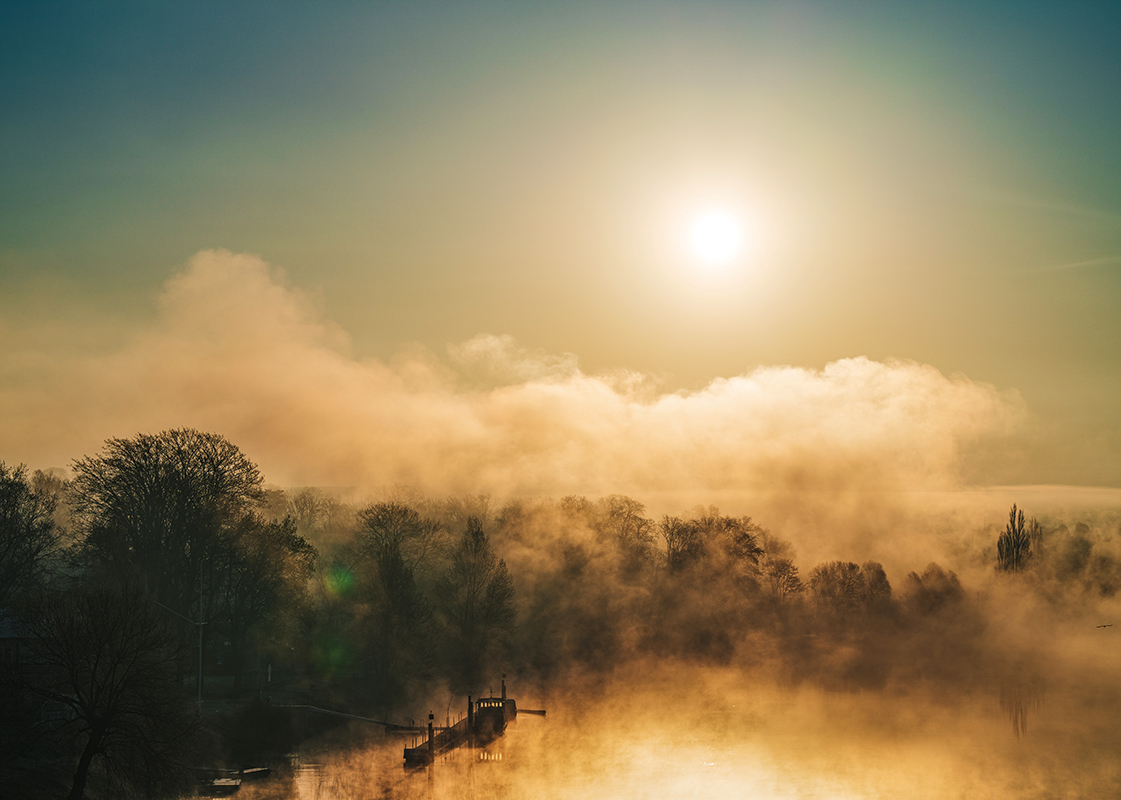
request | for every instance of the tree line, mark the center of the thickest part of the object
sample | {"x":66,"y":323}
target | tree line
{"x":163,"y":568}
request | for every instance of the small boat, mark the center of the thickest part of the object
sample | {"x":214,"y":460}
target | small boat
{"x":217,"y":782}
{"x":221,"y":787}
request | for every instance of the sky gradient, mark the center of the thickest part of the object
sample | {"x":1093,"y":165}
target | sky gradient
{"x":931,"y":196}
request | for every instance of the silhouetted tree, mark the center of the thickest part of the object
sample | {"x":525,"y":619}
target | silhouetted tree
{"x":620,"y":518}
{"x":683,"y":542}
{"x":1014,"y":545}
{"x":476,"y":599}
{"x":105,"y":655}
{"x":157,"y":506}
{"x":739,"y":542}
{"x":877,"y":590}
{"x":393,"y":527}
{"x":399,"y":631}
{"x":259,"y":582}
{"x":28,"y":536}
{"x":1035,"y":536}
{"x":838,"y":585}
{"x":933,"y":590}
{"x":318,"y":514}
{"x":780,"y":579}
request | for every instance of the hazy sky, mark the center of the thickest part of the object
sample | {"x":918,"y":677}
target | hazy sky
{"x":938,"y":184}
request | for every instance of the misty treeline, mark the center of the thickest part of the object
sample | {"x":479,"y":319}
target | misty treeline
{"x":159,"y":550}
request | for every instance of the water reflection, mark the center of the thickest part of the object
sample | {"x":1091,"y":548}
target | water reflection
{"x":1019,"y":694}
{"x":308,"y":781}
{"x":746,"y":741}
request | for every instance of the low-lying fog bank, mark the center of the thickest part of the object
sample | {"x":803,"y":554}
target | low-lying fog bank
{"x":664,"y":731}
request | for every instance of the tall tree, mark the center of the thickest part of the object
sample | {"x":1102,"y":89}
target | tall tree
{"x":155,"y":505}
{"x":1014,"y":544}
{"x":838,"y":586}
{"x":682,"y":540}
{"x":781,"y":581}
{"x":105,"y":655}
{"x":28,"y":535}
{"x":387,"y":527}
{"x":476,"y":598}
{"x":259,"y":583}
{"x":398,"y":629}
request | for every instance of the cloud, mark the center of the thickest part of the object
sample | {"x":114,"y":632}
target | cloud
{"x":236,"y":351}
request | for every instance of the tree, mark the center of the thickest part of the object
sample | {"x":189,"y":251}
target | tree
{"x":28,"y":536}
{"x":877,"y":590}
{"x":1035,"y":536}
{"x":1014,"y":545}
{"x":260,"y":579}
{"x":104,"y":654}
{"x":399,"y":630}
{"x":388,"y":527}
{"x":476,"y":598}
{"x":933,"y":590}
{"x":682,"y":540}
{"x":156,"y":506}
{"x":318,"y":514}
{"x":781,"y":579}
{"x":837,"y":585}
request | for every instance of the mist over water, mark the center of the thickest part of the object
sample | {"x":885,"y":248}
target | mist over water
{"x":708,"y":733}
{"x":1011,"y":693}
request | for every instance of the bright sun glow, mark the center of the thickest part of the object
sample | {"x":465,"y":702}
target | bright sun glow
{"x":715,"y":237}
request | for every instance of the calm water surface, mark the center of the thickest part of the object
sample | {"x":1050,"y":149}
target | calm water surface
{"x":764,"y":744}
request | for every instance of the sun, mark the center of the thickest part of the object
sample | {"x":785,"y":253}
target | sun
{"x":715,"y":237}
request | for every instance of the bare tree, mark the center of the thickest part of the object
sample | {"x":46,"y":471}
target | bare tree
{"x":781,"y":579}
{"x":682,"y":540}
{"x":309,"y":508}
{"x":157,"y":505}
{"x":877,"y":589}
{"x":838,"y":586}
{"x":104,"y":655}
{"x":386,"y":527}
{"x":1014,"y":545}
{"x":28,"y":536}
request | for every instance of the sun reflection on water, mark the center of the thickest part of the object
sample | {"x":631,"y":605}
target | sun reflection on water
{"x":776,"y":744}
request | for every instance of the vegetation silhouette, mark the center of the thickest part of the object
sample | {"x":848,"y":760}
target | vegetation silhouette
{"x":1014,"y":545}
{"x":368,"y":609}
{"x":29,"y":537}
{"x":107,"y":666}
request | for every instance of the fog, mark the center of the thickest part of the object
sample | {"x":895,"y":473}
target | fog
{"x":939,"y":677}
{"x":705,"y":733}
{"x":1006,"y":690}
{"x":232,"y":348}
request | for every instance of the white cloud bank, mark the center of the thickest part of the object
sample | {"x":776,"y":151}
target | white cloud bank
{"x":236,"y":352}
